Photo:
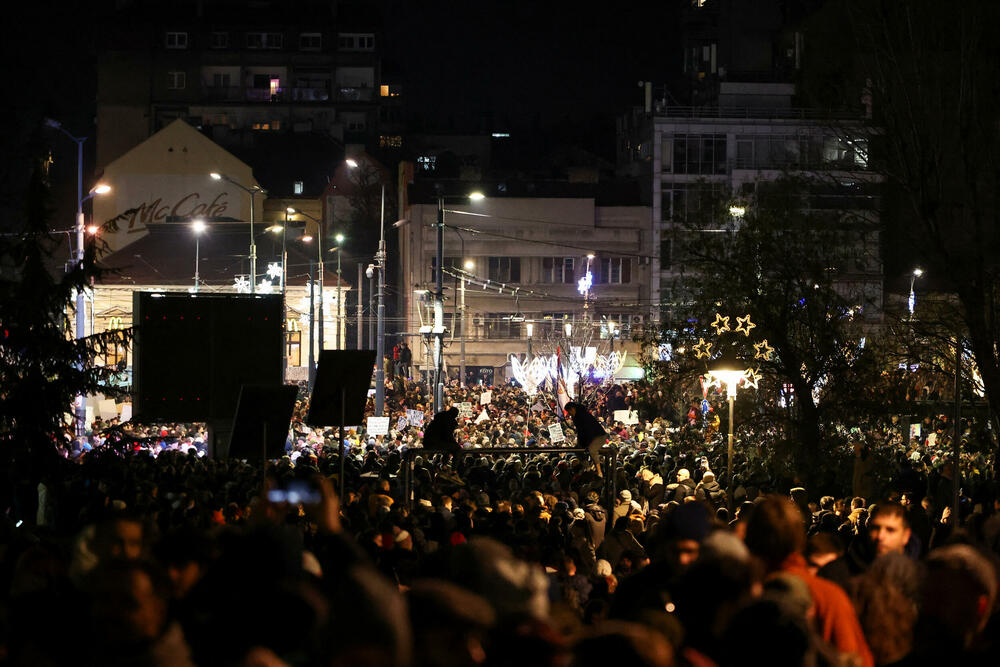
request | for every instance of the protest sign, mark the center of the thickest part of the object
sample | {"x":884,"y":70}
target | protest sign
{"x":378,"y":426}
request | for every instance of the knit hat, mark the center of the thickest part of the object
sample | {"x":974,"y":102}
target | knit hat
{"x":603,"y":568}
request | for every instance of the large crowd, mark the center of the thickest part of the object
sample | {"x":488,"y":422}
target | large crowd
{"x":134,"y":547}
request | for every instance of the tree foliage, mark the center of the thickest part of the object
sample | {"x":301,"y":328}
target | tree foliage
{"x":789,"y":267}
{"x":42,"y":368}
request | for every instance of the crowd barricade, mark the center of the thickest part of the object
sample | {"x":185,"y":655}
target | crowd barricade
{"x":609,"y":457}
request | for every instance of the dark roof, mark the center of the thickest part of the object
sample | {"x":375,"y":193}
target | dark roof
{"x":166,"y":256}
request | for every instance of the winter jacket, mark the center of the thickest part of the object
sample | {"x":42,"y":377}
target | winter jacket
{"x":712,"y":492}
{"x":586,"y":425}
{"x":597,"y":520}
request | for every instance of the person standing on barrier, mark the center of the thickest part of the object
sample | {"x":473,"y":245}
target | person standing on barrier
{"x":589,"y":432}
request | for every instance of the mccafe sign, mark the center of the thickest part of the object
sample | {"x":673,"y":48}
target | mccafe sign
{"x":162,"y":210}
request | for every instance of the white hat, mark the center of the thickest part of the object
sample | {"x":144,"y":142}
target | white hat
{"x":603,"y":568}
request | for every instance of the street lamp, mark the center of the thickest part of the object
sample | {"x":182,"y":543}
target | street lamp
{"x":438,"y":329}
{"x":100,"y":189}
{"x":729,"y":371}
{"x":253,"y":243}
{"x":381,"y":257}
{"x":198,"y":226}
{"x":319,"y":268}
{"x":530,"y":327}
{"x":467,"y":265}
{"x":337,"y":337}
{"x":912,"y":301}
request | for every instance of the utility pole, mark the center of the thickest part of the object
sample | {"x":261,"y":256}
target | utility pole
{"x":361,"y":301}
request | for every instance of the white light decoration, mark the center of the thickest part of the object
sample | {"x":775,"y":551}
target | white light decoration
{"x":242,"y":284}
{"x":584,"y":284}
{"x":541,"y":369}
{"x":274,"y":270}
{"x":265,"y":287}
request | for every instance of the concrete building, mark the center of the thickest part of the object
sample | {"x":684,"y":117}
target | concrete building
{"x":680,"y":154}
{"x":241,"y":73}
{"x":515,"y":262}
{"x":158,"y":189}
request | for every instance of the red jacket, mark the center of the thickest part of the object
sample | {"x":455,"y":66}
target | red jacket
{"x":836,"y":620}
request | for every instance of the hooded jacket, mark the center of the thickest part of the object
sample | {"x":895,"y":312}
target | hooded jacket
{"x":586,"y":425}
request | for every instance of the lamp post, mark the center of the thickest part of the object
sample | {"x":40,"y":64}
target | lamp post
{"x":198,"y":226}
{"x":338,"y":319}
{"x":468,"y":265}
{"x":379,"y":266}
{"x":730,"y":372}
{"x":438,"y":329}
{"x":81,"y":316}
{"x":319,"y":270}
{"x":612,"y":330}
{"x":253,"y":243}
{"x":912,"y":302}
{"x":530,"y":326}
{"x":306,"y":238}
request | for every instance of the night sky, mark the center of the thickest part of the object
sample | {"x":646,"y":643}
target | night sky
{"x":557,"y":68}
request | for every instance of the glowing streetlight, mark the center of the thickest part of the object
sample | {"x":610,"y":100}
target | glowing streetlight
{"x":912,"y":301}
{"x":730,"y":372}
{"x":198,"y":226}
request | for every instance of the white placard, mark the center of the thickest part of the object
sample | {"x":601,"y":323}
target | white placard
{"x":464,"y":409}
{"x":89,"y":418}
{"x":415,"y":417}
{"x":556,"y":433}
{"x":483,"y":417}
{"x":401,"y":423}
{"x":914,"y":431}
{"x":486,"y":398}
{"x":626,"y":416}
{"x":126,"y":412}
{"x":378,"y":426}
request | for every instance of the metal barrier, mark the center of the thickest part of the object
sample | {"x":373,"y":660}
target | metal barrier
{"x":609,"y":456}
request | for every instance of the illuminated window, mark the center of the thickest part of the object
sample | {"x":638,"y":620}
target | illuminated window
{"x":427,"y":162}
{"x":390,"y":141}
{"x":297,"y":187}
{"x":177,"y":40}
{"x":176,"y":80}
{"x":383,"y":90}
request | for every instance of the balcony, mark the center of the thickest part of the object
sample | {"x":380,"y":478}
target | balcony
{"x":351,"y":94}
{"x":238,"y":94}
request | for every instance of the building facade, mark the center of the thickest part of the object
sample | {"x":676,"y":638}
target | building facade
{"x":685,"y":156}
{"x":513,"y":267}
{"x":240,"y":72}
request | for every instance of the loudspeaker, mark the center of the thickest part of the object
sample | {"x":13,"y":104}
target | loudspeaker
{"x":193,"y":352}
{"x":263,"y":415}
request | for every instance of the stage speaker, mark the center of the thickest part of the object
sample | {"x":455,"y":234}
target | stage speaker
{"x":193,"y":352}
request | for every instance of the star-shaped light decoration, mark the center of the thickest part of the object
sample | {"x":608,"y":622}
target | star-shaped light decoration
{"x":721,"y":324}
{"x":274,"y":270}
{"x":762,"y":350}
{"x":751,"y":378}
{"x":242,"y":284}
{"x":265,"y":287}
{"x":702,"y":349}
{"x":584,"y":284}
{"x":744,"y":325}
